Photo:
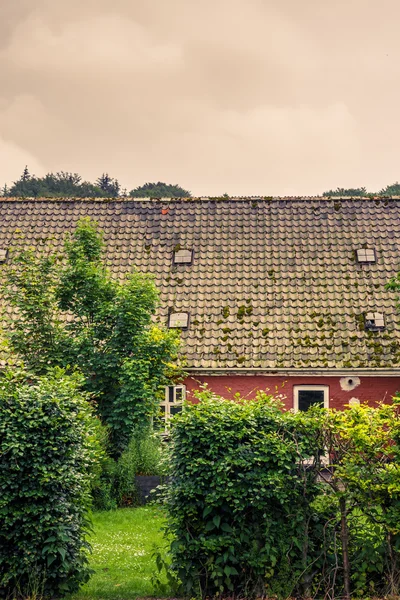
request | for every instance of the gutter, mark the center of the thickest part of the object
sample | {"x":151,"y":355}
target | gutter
{"x":373,"y":372}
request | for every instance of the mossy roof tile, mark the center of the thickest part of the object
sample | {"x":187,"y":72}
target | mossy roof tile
{"x":292,"y":261}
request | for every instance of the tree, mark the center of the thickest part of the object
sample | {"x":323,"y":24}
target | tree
{"x":109,"y":185}
{"x":159,"y":190}
{"x":69,"y":312}
{"x":391,"y":190}
{"x":54,"y":185}
{"x":352,"y":192}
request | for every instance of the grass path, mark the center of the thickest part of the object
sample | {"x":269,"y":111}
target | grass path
{"x":123,"y":543}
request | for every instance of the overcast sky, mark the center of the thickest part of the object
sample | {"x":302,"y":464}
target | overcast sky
{"x":221,"y":96}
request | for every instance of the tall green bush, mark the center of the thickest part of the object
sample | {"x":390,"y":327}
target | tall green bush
{"x":266,"y":502}
{"x":239,"y":499}
{"x":49,"y":451}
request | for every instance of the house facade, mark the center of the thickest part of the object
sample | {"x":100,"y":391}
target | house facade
{"x":279,"y":294}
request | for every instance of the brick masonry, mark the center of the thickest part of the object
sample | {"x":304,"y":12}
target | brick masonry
{"x":369,"y":389}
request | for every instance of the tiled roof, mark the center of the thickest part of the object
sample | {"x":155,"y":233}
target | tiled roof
{"x":274,"y":282}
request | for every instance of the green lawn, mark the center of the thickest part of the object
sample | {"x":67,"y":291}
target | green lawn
{"x":123,"y":543}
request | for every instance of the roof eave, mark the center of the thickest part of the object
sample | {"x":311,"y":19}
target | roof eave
{"x":310,"y":372}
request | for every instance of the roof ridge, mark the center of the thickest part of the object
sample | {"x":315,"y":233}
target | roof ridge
{"x":200,"y":199}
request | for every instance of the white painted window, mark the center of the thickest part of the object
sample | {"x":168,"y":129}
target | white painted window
{"x":366,"y":255}
{"x":178,"y":319}
{"x":175,"y":396}
{"x":183,"y":257}
{"x":305,"y":396}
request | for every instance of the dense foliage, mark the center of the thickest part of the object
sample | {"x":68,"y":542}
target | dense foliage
{"x":389,"y":190}
{"x":69,"y":312}
{"x":61,"y":185}
{"x":115,"y":486}
{"x":48,"y":453}
{"x":159,"y":190}
{"x":265,"y":502}
{"x":352,"y":192}
{"x":71,"y":185}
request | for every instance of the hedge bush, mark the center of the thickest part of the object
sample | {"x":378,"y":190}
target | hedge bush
{"x":235,"y":522}
{"x":271,"y":503}
{"x":48,"y":451}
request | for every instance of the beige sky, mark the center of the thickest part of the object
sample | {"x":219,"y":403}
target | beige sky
{"x":238,"y":96}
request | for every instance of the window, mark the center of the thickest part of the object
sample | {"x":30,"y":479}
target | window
{"x":180,"y":319}
{"x":366,"y":255}
{"x":183,"y":257}
{"x":374,"y":321}
{"x":3,"y":255}
{"x":174,"y":397}
{"x":310,"y":395}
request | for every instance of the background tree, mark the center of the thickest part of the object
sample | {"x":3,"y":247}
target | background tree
{"x":54,"y":185}
{"x":391,"y":190}
{"x":159,"y":190}
{"x":108,"y":335}
{"x":352,"y":192}
{"x":110,"y":186}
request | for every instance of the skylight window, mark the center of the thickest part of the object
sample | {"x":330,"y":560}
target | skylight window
{"x":178,"y":319}
{"x":183,"y":257}
{"x":374,"y":321}
{"x":366,"y":255}
{"x":3,"y":255}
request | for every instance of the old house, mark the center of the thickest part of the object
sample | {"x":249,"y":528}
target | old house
{"x":284,"y":294}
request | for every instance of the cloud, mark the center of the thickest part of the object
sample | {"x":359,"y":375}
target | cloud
{"x":252,"y":97}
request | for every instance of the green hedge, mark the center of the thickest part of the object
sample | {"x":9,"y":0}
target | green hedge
{"x":48,"y":449}
{"x":234,"y":519}
{"x":255,"y":507}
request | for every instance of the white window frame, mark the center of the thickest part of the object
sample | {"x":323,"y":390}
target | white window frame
{"x":366,"y":255}
{"x":310,"y":388}
{"x":175,"y":402}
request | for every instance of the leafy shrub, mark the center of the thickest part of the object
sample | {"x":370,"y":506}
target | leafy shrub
{"x":146,"y":454}
{"x":248,"y":512}
{"x":49,"y":451}
{"x":238,"y":503}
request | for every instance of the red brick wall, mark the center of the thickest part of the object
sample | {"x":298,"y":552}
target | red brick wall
{"x":370,"y":389}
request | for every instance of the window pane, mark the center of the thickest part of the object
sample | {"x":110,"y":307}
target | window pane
{"x":178,"y":394}
{"x":309,"y":398}
{"x":174,"y":410}
{"x":171,"y":393}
